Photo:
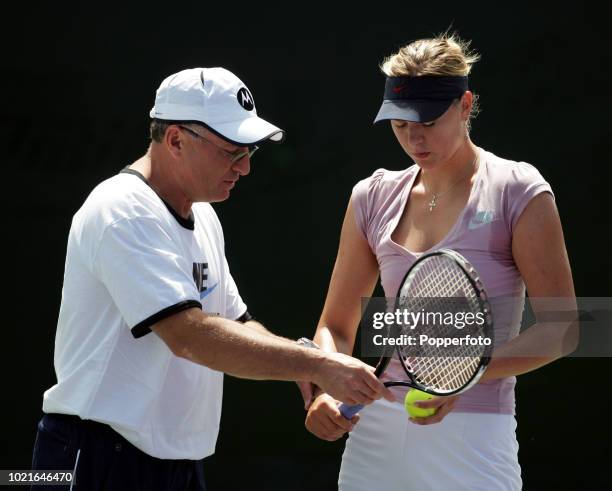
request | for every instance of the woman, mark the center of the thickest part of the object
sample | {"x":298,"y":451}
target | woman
{"x":502,"y":217}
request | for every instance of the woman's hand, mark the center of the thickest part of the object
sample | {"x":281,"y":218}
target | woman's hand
{"x":325,"y":421}
{"x":443,"y":406}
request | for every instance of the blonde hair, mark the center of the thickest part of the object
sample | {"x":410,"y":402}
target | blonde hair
{"x":444,"y":55}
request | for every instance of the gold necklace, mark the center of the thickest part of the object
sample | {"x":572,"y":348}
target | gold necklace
{"x":434,"y":197}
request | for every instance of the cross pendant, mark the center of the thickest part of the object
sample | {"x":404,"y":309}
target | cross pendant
{"x":432,"y":203}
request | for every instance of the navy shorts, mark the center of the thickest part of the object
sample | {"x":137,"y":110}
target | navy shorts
{"x":103,"y":460}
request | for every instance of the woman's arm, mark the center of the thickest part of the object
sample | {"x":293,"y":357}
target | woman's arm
{"x":539,"y":252}
{"x":354,"y":276}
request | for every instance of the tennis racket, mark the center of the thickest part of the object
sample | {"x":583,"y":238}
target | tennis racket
{"x":442,"y":284}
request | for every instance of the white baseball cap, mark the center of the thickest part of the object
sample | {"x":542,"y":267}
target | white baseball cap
{"x":219,"y":100}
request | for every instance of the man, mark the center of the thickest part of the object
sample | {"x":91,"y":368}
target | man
{"x":150,"y":314}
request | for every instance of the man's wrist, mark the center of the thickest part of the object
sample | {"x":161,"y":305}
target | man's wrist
{"x":307,"y":343}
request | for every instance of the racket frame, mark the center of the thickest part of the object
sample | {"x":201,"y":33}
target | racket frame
{"x":472,"y":276}
{"x":470,"y":272}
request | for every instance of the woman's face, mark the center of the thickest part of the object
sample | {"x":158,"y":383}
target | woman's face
{"x":433,"y":143}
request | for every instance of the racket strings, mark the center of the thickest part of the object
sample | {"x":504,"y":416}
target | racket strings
{"x":445,"y":374}
{"x":440,"y":286}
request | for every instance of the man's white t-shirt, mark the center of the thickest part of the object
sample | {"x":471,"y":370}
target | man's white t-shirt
{"x":132,"y":261}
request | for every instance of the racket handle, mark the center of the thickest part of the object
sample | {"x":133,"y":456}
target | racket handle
{"x":349,"y":411}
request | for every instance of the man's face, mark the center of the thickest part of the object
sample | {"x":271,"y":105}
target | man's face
{"x":207,"y":168}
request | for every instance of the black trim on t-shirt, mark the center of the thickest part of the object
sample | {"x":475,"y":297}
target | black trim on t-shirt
{"x":246,"y":317}
{"x":187,"y":223}
{"x":143,"y":328}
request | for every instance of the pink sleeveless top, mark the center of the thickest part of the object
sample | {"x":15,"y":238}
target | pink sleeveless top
{"x":482,"y":233}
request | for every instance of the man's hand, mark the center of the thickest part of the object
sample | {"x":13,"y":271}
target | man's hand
{"x":350,"y":380}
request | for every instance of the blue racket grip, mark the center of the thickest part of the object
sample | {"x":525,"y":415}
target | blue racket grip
{"x":349,"y":411}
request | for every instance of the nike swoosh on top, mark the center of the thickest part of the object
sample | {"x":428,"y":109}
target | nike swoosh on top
{"x":208,"y":291}
{"x":481,"y":218}
{"x":397,"y":90}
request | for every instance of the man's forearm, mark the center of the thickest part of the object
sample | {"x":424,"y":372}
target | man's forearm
{"x":260,"y":328}
{"x":226,"y":346}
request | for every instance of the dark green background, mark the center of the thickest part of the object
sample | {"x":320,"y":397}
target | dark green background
{"x":78,"y":82}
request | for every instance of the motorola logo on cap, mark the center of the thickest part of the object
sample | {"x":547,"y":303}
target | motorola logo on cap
{"x":246,"y":99}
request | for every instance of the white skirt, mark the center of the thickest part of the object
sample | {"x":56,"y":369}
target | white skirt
{"x":466,"y":451}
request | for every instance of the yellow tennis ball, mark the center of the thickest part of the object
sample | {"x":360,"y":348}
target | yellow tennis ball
{"x":417,"y":412}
